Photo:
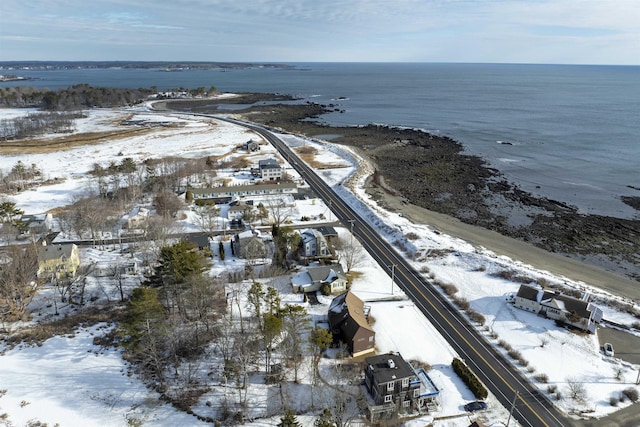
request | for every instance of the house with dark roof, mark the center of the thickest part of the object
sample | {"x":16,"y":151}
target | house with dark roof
{"x":249,"y":244}
{"x":199,"y":240}
{"x":394,"y":387}
{"x":37,"y":223}
{"x":268,"y":170}
{"x":348,"y":322}
{"x":579,"y":313}
{"x":327,"y":231}
{"x":314,"y":278}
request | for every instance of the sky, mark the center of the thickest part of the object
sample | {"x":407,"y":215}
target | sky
{"x":501,"y":31}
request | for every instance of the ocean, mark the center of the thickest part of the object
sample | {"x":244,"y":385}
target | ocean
{"x":567,"y":132}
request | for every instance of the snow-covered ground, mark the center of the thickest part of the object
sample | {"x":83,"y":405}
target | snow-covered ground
{"x":69,"y":379}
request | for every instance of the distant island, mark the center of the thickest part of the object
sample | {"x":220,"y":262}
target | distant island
{"x":161,"y":65}
{"x":13,"y":78}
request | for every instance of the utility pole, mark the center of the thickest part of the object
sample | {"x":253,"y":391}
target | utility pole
{"x":393,"y":276}
{"x":513,"y":404}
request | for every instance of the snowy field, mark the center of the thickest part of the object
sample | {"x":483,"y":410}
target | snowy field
{"x":68,"y":378}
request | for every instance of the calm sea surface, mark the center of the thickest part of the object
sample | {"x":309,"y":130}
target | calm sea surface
{"x":573,"y":131}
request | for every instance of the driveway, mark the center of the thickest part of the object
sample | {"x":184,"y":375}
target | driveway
{"x":626,"y":345}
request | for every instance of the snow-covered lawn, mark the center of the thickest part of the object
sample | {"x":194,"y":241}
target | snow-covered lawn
{"x":69,"y":379}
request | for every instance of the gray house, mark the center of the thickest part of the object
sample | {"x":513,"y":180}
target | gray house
{"x":249,"y":245}
{"x":313,"y":244}
{"x":394,"y":386}
{"x":314,"y":277}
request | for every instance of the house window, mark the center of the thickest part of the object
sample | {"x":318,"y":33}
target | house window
{"x":405,"y":382}
{"x":416,"y":392}
{"x":406,"y":403}
{"x":371,"y":338}
{"x":390,"y":386}
{"x":388,"y":398}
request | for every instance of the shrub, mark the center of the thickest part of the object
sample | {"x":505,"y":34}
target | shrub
{"x":325,"y":289}
{"x":412,"y":236}
{"x":552,"y":388}
{"x":631,"y":393}
{"x":462,"y":303}
{"x":469,"y":378}
{"x":543,"y":282}
{"x":505,"y":345}
{"x":613,"y":401}
{"x":476,"y":317}
{"x":514,"y":354}
{"x":448,"y":288}
{"x":544,"y":378}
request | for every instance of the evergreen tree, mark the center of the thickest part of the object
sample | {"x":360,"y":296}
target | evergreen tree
{"x":143,"y":308}
{"x":325,"y":419}
{"x":289,"y":420}
{"x":319,"y":340}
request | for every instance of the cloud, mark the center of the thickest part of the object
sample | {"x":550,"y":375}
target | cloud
{"x":327,"y":30}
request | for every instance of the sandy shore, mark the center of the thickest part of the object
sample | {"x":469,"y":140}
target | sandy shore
{"x":556,"y":264}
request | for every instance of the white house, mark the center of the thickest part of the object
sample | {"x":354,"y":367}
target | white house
{"x":269,"y":170}
{"x":576,"y":312}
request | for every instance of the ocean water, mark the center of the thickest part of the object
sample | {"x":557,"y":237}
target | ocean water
{"x":569,"y":133}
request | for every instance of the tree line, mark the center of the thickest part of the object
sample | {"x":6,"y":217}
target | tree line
{"x":72,"y":98}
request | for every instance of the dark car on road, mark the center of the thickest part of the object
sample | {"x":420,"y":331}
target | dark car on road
{"x":475,"y":406}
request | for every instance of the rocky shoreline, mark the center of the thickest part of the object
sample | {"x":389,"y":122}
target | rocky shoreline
{"x":433,"y":172}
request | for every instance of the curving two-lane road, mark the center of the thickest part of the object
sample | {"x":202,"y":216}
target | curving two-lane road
{"x":531,"y":407}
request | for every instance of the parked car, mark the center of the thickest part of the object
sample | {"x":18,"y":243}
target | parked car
{"x":608,"y":349}
{"x":478,"y":405}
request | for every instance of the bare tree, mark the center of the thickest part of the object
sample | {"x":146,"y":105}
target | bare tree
{"x":207,"y":218}
{"x":350,"y":252}
{"x":204,"y":301}
{"x":18,"y":283}
{"x":577,"y":389}
{"x":167,"y":204}
{"x":296,"y":326}
{"x":279,"y":209}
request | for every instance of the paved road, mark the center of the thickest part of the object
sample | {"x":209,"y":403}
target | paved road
{"x":531,"y":406}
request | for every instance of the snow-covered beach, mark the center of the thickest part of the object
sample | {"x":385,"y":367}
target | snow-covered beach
{"x":103,"y":393}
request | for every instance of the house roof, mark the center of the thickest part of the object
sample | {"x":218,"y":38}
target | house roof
{"x":269,"y":164}
{"x":201,"y":240}
{"x":327,"y":231}
{"x":326,"y":273}
{"x":49,"y":252}
{"x":557,"y":300}
{"x":344,"y":307}
{"x":388,"y":367}
{"x":238,"y":188}
{"x":528,"y":292}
